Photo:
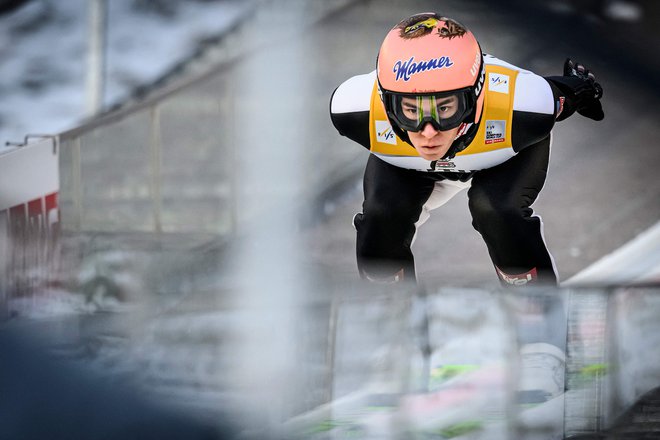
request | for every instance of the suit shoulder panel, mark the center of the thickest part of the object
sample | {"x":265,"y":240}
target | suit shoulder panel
{"x":354,"y":94}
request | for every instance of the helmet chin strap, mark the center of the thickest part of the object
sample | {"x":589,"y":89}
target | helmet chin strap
{"x":465,"y":134}
{"x":462,"y":129}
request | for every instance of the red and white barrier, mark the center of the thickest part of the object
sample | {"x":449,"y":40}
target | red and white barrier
{"x":29,"y":216}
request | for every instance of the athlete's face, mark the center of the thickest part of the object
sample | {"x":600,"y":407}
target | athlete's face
{"x":430,"y":143}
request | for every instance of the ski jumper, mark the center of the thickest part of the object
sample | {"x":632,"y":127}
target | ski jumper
{"x":503,"y":160}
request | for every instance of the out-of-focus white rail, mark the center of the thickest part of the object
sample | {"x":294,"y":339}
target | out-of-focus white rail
{"x":635,"y":263}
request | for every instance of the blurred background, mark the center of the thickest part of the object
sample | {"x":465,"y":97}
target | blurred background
{"x":199,"y":252}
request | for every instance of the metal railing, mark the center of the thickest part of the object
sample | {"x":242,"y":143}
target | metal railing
{"x":162,"y":167}
{"x":166,"y":164}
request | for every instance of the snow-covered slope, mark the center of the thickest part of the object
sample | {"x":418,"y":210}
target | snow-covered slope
{"x":43,"y":48}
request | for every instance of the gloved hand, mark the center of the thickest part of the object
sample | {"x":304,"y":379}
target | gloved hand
{"x":587,"y":93}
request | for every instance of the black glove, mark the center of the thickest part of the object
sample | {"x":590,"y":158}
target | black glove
{"x":587,"y":91}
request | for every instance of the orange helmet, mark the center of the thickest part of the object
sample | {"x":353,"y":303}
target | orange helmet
{"x":431,"y":70}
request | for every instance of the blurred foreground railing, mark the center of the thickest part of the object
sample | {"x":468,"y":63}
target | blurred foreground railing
{"x":451,"y":361}
{"x":373,"y":363}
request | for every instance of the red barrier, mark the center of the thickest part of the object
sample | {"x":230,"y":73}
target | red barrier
{"x":29,"y":218}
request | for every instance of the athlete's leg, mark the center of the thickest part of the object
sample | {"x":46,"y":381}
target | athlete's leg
{"x":500,"y":200}
{"x":393,"y":200}
{"x":443,"y":191}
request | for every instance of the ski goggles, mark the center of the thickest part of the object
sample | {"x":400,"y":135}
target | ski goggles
{"x":444,"y":111}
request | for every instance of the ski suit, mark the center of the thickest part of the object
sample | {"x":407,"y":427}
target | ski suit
{"x":503,"y":160}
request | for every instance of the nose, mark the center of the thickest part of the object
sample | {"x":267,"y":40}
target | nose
{"x":428,"y":131}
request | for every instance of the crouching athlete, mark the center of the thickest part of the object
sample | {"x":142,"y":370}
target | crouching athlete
{"x":439,"y":116}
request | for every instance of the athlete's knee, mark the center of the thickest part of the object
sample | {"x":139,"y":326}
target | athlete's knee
{"x":488,"y":208}
{"x":398,"y":213}
{"x":378,"y":231}
{"x":385,"y":231}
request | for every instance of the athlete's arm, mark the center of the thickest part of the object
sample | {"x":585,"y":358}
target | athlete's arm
{"x":349,"y":108}
{"x":533,"y":110}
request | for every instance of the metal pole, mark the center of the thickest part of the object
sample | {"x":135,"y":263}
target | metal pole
{"x":156,"y":168}
{"x":96,"y":56}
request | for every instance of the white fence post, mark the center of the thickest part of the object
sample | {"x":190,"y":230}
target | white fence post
{"x":96,"y":56}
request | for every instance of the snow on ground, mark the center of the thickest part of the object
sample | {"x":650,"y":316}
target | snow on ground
{"x":43,"y":50}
